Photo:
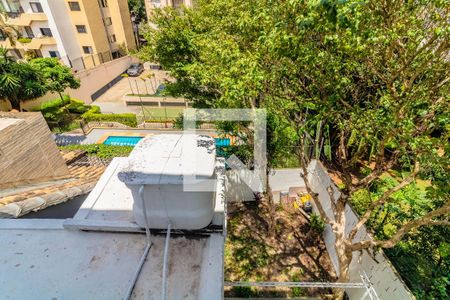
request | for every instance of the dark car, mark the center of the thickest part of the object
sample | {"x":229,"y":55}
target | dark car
{"x":135,"y":69}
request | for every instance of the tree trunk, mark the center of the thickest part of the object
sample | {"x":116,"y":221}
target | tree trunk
{"x":15,"y":104}
{"x":344,"y":259}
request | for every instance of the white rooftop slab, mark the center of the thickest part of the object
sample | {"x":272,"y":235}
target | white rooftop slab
{"x":166,"y":158}
{"x":6,"y":122}
{"x":55,"y":259}
{"x":50,"y":262}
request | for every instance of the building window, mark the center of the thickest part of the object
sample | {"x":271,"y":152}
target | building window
{"x":29,"y":32}
{"x":36,"y":7}
{"x":81,"y":28}
{"x":107,"y":21}
{"x":104,"y":3}
{"x":54,"y":54}
{"x":112,"y":38}
{"x":87,"y":50}
{"x":46,"y":32}
{"x":74,"y":6}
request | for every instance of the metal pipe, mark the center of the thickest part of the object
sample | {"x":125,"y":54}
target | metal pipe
{"x":356,"y":285}
{"x":166,"y":251}
{"x":138,"y":271}
{"x":146,"y":250}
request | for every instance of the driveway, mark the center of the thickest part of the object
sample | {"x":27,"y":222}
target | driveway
{"x":112,"y":100}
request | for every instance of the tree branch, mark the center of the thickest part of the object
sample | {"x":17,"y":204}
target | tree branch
{"x":382,"y":200}
{"x":424,"y":220}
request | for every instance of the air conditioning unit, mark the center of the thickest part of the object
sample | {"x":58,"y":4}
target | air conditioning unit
{"x":155,"y":172}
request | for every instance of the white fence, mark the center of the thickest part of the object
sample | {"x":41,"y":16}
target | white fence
{"x":381,"y":273}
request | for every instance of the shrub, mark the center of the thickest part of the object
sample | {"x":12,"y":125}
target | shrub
{"x":78,"y":107}
{"x":100,"y":150}
{"x":317,"y":224}
{"x":24,"y":40}
{"x":94,"y":114}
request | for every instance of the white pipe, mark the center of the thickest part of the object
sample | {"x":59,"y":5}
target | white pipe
{"x":166,"y":251}
{"x":146,"y":250}
{"x":147,"y":226}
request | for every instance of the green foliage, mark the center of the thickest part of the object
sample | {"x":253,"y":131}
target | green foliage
{"x":24,"y":40}
{"x":244,"y":291}
{"x":19,"y":81}
{"x":296,"y":291}
{"x":354,"y":83}
{"x":422,"y":257}
{"x":317,"y":223}
{"x":138,"y":8}
{"x":62,"y":112}
{"x":100,"y":150}
{"x":57,"y":76}
{"x":94,"y":114}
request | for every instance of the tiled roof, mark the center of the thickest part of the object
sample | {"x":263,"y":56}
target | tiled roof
{"x":85,"y":172}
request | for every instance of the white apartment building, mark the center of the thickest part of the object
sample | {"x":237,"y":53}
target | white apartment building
{"x":82,"y":33}
{"x":150,"y":5}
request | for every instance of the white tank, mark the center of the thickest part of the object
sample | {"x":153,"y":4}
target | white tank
{"x":159,"y":164}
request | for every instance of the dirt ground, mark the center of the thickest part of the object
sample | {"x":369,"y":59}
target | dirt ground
{"x":275,"y":243}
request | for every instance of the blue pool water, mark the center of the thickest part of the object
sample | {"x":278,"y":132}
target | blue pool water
{"x":122,"y":140}
{"x":133,"y":140}
{"x":222,"y":142}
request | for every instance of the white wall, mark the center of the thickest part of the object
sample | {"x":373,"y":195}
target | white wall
{"x":385,"y":279}
{"x":63,"y":30}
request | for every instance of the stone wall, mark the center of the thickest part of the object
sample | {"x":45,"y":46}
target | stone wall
{"x":385,"y":279}
{"x":27,"y":150}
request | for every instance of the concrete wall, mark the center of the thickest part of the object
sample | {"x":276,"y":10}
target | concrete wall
{"x":385,"y":279}
{"x":94,"y":79}
{"x":91,"y":81}
{"x":27,"y":150}
{"x":236,"y":190}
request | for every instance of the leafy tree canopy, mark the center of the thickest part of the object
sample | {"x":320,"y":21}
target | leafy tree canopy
{"x":58,"y":77}
{"x":19,"y":81}
{"x":361,"y":85}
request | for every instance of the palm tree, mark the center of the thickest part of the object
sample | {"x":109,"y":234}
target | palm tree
{"x":7,"y":31}
{"x":19,"y":81}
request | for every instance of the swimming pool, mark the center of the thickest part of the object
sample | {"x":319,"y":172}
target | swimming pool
{"x":122,"y":140}
{"x":133,"y":140}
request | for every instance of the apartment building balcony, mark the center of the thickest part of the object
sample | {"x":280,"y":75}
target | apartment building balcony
{"x":36,"y":43}
{"x":25,"y":19}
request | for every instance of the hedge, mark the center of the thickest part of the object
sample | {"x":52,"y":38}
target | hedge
{"x":94,"y":114}
{"x":100,"y":150}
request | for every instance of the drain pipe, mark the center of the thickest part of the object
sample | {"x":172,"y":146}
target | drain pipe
{"x":166,"y":254}
{"x":147,"y":247}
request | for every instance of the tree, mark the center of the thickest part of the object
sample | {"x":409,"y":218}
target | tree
{"x":7,"y":31}
{"x":58,"y":77}
{"x":138,"y":7}
{"x":363,"y":85}
{"x":19,"y":81}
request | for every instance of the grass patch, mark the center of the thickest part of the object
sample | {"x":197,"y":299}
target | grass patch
{"x":162,"y":114}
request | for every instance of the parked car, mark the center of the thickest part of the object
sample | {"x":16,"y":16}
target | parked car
{"x":135,"y":69}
